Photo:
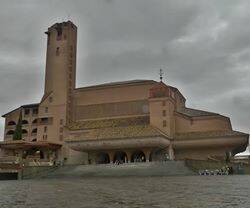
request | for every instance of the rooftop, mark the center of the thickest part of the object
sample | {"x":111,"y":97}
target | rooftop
{"x":123,"y":83}
{"x":117,"y":133}
{"x":208,"y":134}
{"x":34,"y":105}
{"x":105,"y":123}
{"x":130,"y":127}
{"x":194,"y":112}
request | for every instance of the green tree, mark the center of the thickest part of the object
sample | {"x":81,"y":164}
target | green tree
{"x":18,"y":131}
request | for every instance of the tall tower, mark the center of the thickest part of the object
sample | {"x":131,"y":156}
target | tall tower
{"x":55,"y":108}
{"x":60,"y":72}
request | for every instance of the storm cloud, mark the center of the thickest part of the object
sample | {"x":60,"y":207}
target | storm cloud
{"x":203,"y":47}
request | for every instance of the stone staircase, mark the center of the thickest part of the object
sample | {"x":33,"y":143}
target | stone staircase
{"x":168,"y":168}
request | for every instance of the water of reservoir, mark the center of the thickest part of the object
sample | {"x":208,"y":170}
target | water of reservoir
{"x":128,"y":192}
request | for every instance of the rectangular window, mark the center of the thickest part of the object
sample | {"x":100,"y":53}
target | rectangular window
{"x":164,"y":113}
{"x":50,"y":99}
{"x":61,"y":121}
{"x":164,"y":123}
{"x":59,"y":32}
{"x":61,"y":129}
{"x":45,"y":129}
{"x":57,"y":51}
{"x":26,"y":111}
{"x":35,"y":111}
{"x":46,"y":109}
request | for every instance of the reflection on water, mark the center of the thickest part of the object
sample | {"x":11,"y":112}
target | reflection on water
{"x":132,"y":192}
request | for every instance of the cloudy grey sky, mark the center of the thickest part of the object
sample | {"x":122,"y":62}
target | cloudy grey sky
{"x":203,"y":46}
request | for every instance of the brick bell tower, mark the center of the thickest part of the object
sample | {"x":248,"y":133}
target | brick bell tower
{"x":55,"y":108}
{"x":60,"y":72}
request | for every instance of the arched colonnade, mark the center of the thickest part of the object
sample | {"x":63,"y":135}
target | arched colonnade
{"x":123,"y":156}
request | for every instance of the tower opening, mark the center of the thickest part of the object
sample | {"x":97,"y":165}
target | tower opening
{"x":59,"y":31}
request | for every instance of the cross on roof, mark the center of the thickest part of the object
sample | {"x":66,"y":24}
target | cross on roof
{"x":161,"y":74}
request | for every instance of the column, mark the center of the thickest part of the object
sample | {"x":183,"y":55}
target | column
{"x":111,"y":156}
{"x":171,"y":152}
{"x":147,"y":154}
{"x":129,"y":155}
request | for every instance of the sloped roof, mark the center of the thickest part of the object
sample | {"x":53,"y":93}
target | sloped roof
{"x":194,"y":112}
{"x":126,"y":83}
{"x":23,"y":106}
{"x":208,"y":134}
{"x":118,"y":133}
{"x":22,"y":144}
{"x":114,"y":128}
{"x":105,"y":123}
{"x":111,"y":84}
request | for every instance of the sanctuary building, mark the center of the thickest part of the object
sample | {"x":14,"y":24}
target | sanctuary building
{"x":129,"y":121}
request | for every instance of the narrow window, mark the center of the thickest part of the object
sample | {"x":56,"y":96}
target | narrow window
{"x":61,"y":121}
{"x":26,"y":112}
{"x":45,"y":129}
{"x":61,"y":129}
{"x":164,"y":113}
{"x":164,"y":123}
{"x":46,"y":109}
{"x":59,"y":32}
{"x":35,"y":111}
{"x":57,"y":51}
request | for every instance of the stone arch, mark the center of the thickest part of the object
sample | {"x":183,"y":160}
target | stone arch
{"x":34,"y":131}
{"x":10,"y":132}
{"x":34,"y":121}
{"x":102,"y":158}
{"x":11,"y":123}
{"x":159,"y":155}
{"x":25,"y":122}
{"x":24,"y":131}
{"x":120,"y":157}
{"x":138,"y":156}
